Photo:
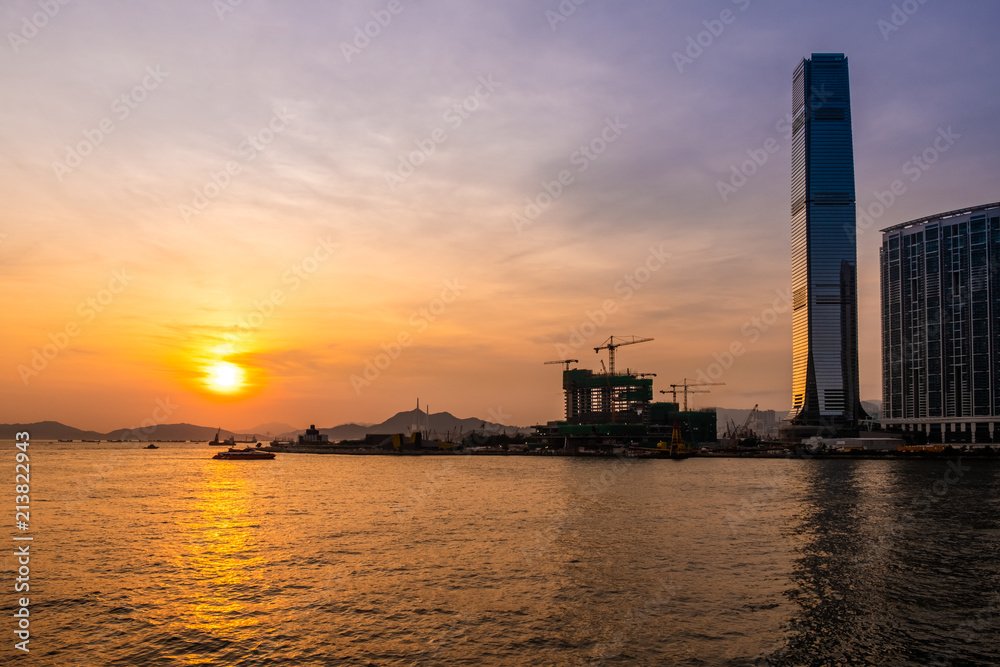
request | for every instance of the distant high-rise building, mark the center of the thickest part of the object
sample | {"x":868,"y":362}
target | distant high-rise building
{"x":824,"y":255}
{"x":941,"y":325}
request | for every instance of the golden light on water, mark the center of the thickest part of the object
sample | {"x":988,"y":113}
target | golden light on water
{"x":225,"y":377}
{"x":218,"y":548}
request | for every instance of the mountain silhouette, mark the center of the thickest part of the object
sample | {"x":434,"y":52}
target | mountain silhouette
{"x":437,"y":425}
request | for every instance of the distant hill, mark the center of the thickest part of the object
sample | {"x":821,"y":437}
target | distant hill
{"x":168,"y":432}
{"x":273,"y":428}
{"x":440,"y":424}
{"x":48,"y":431}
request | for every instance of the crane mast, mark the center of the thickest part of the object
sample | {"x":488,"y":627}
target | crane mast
{"x":685,"y":387}
{"x":563,"y":361}
{"x":610,"y":345}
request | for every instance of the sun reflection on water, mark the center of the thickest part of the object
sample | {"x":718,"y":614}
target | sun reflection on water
{"x":220,"y":553}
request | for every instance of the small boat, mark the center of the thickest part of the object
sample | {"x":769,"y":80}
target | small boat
{"x":150,"y":446}
{"x":243,"y":454}
{"x":228,"y":442}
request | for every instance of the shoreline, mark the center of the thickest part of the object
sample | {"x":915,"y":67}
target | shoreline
{"x":722,"y":454}
{"x":982,"y":453}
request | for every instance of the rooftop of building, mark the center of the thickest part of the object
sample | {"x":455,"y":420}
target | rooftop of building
{"x":941,"y":216}
{"x":828,"y":57}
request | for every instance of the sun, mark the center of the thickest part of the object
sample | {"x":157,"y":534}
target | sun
{"x":225,"y":377}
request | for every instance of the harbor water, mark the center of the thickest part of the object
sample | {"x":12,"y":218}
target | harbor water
{"x":167,"y":557}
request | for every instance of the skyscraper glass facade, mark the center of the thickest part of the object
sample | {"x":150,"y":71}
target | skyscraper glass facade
{"x":824,"y":256}
{"x":941,"y":324}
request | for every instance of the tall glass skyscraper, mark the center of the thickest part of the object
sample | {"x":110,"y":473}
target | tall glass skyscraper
{"x":941,"y":325}
{"x":824,"y":256}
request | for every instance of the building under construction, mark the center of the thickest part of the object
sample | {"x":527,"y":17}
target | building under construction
{"x":608,"y":409}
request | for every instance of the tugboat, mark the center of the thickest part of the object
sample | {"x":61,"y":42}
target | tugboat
{"x":245,"y":454}
{"x":228,"y":442}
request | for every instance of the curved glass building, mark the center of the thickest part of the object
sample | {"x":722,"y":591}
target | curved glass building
{"x":824,"y":255}
{"x":941,"y":325}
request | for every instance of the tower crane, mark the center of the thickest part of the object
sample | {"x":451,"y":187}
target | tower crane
{"x":563,"y":361}
{"x":674,"y":390}
{"x":685,"y":387}
{"x":610,"y":345}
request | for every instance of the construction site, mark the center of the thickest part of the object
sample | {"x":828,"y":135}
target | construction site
{"x":609,"y":410}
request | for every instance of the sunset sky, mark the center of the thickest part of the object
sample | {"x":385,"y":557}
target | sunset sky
{"x":236,"y":208}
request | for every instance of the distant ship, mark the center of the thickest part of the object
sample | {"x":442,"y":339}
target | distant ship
{"x":228,"y":442}
{"x":150,"y":446}
{"x":243,"y":454}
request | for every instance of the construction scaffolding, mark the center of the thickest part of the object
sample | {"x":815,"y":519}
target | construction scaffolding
{"x":608,"y":411}
{"x":597,"y":398}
